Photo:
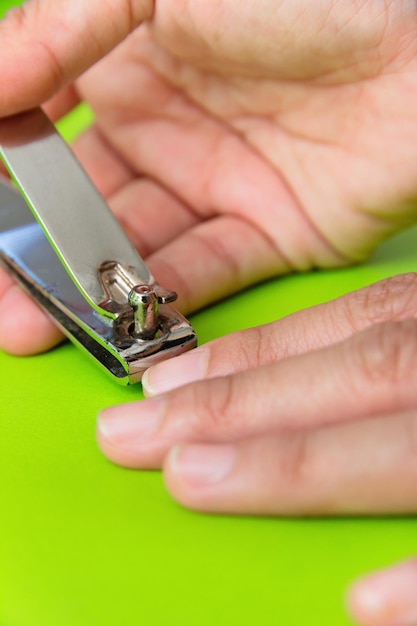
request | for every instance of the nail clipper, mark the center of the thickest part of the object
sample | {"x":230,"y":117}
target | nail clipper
{"x":72,"y":256}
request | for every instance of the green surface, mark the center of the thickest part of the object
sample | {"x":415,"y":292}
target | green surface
{"x":86,"y":543}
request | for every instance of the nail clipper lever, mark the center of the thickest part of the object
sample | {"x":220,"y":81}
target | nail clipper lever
{"x":99,"y":291}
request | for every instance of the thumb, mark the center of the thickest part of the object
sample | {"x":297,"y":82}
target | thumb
{"x":46,"y":44}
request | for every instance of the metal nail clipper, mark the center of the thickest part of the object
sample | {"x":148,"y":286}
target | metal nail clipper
{"x":73,"y":257}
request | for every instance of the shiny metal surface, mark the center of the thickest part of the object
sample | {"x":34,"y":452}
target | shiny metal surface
{"x":27,"y":254}
{"x":101,"y":294}
{"x":74,"y":216}
{"x":145,"y":301}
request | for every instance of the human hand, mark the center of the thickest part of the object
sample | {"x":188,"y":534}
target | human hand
{"x":314,"y":414}
{"x":234,"y":140}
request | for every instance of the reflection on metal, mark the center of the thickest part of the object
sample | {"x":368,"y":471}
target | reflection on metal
{"x":99,"y":291}
{"x":145,"y":301}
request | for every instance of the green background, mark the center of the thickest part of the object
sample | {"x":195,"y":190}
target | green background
{"x":86,"y":543}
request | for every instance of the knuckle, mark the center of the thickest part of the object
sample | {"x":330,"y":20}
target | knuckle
{"x":296,"y":465}
{"x":385,"y":353}
{"x":274,"y":341}
{"x":305,"y":473}
{"x":251,"y":349}
{"x":233,"y":353}
{"x":394,"y":298}
{"x":215,"y":408}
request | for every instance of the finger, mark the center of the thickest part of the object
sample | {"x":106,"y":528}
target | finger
{"x":48,"y":43}
{"x":24,"y":328}
{"x":357,"y":468}
{"x":106,"y":168}
{"x":151,"y":216}
{"x":62,"y":103}
{"x":313,"y":328}
{"x":215,"y":259}
{"x":387,"y":597}
{"x":371,"y":373}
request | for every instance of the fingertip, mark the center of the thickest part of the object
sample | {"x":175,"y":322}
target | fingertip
{"x":386,"y":597}
{"x":195,"y":472}
{"x":62,"y":103}
{"x":363,"y":605}
{"x":127,"y":434}
{"x":176,"y":372}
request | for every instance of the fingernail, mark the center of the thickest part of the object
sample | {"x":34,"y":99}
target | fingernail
{"x":128,"y":422}
{"x":388,"y":597}
{"x":176,"y":372}
{"x":201,"y":464}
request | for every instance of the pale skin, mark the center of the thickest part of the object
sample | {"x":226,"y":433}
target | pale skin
{"x":236,"y":141}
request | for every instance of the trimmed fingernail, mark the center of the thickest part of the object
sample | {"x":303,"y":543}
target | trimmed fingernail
{"x":201,"y":464}
{"x":129,"y":422}
{"x":387,"y":597}
{"x":176,"y":372}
